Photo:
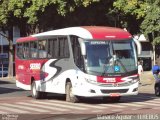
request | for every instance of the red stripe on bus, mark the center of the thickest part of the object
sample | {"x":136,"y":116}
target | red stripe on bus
{"x":107,"y":33}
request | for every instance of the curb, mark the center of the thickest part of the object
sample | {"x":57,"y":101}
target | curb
{"x":8,"y":79}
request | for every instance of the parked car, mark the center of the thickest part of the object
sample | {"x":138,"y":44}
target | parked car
{"x":157,"y":88}
{"x":5,"y":71}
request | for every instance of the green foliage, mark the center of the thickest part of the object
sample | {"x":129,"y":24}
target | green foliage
{"x":3,"y":12}
{"x":147,"y":10}
{"x":133,"y":7}
{"x":151,"y":23}
{"x":156,"y":41}
{"x":30,"y":9}
{"x":152,"y":19}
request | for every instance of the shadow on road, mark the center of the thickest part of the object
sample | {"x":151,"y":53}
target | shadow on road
{"x":7,"y":86}
{"x":141,"y":97}
{"x":4,"y":90}
{"x":5,"y":82}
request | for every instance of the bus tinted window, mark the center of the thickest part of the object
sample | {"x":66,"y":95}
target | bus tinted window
{"x":52,"y":48}
{"x":26,"y":50}
{"x":19,"y":50}
{"x":42,"y":49}
{"x":58,"y":48}
{"x":34,"y":49}
{"x":63,"y":47}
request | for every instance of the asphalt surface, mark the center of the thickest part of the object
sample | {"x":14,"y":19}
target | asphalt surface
{"x":145,"y":103}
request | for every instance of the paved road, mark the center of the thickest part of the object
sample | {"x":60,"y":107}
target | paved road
{"x":57,"y":107}
{"x":8,"y":89}
{"x":15,"y":101}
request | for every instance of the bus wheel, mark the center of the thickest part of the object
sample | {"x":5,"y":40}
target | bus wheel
{"x":35,"y":94}
{"x":70,"y":97}
{"x":157,"y":90}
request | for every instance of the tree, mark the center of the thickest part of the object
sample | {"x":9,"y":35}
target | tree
{"x":151,"y":23}
{"x":34,"y":16}
{"x":132,"y":7}
{"x":147,"y":11}
{"x":6,"y":25}
{"x":25,"y":14}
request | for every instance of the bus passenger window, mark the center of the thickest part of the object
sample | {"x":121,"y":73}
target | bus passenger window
{"x":19,"y":50}
{"x":34,"y":49}
{"x":63,"y":47}
{"x":42,"y":49}
{"x":26,"y":51}
{"x":49,"y":55}
{"x":52,"y":48}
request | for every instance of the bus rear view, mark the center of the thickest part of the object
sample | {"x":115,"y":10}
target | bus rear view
{"x":100,"y":62}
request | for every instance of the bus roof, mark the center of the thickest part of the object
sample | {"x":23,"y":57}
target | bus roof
{"x":88,"y":32}
{"x":25,"y":39}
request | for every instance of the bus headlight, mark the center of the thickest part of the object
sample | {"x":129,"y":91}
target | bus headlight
{"x":135,"y":79}
{"x":91,"y":81}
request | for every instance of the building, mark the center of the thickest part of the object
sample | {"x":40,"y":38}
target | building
{"x":4,"y":46}
{"x":146,"y":55}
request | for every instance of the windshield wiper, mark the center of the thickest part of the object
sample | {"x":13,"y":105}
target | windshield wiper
{"x":104,"y":70}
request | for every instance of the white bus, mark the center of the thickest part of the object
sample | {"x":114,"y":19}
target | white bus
{"x":88,"y":61}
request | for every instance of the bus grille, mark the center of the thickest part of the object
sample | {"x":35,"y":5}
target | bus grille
{"x":115,"y":91}
{"x":117,"y":84}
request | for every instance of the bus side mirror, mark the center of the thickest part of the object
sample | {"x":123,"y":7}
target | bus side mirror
{"x":139,"y":47}
{"x":83,"y":47}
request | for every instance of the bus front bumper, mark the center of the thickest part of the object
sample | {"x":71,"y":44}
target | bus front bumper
{"x":91,"y":90}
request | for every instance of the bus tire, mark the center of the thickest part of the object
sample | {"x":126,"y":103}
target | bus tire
{"x":35,"y":94}
{"x":157,"y":90}
{"x":70,"y":97}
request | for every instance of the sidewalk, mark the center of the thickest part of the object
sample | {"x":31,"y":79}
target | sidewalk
{"x":147,"y":77}
{"x":147,"y":81}
{"x":8,"y":79}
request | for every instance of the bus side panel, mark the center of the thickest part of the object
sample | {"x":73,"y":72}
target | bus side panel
{"x":22,"y":74}
{"x":58,"y":71}
{"x":27,"y":70}
{"x":21,"y":70}
{"x":34,"y":70}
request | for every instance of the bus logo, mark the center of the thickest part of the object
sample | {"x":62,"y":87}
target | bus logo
{"x":35,"y":66}
{"x":112,"y":80}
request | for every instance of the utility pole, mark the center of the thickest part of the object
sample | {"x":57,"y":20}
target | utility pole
{"x":154,"y":55}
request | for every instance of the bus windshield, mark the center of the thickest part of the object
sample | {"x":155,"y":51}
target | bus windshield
{"x":110,"y":57}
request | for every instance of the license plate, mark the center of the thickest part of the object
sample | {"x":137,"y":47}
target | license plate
{"x":114,"y":94}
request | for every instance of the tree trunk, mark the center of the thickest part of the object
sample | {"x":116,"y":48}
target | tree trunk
{"x":10,"y":40}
